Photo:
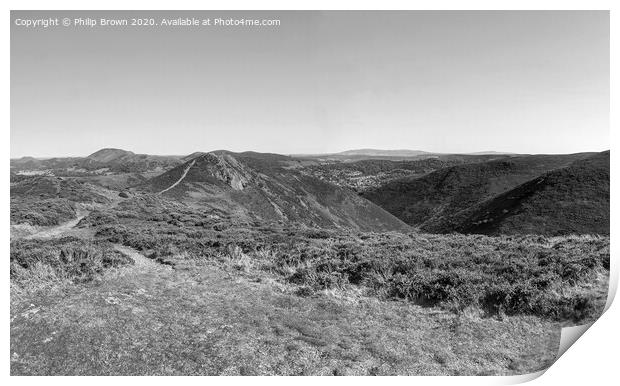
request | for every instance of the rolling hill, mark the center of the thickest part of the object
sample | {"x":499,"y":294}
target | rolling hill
{"x":109,"y":155}
{"x":433,"y":202}
{"x":396,"y":155}
{"x":367,"y":174}
{"x":570,"y":200}
{"x":263,"y":187}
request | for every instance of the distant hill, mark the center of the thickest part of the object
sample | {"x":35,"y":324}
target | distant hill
{"x":47,"y":187}
{"x":35,"y":164}
{"x":491,"y":152}
{"x":570,"y":200}
{"x":430,"y":202}
{"x":383,"y":153}
{"x":258,"y":186}
{"x":395,"y":155}
{"x":368,"y":174}
{"x":109,"y":155}
{"x":193,"y":155}
{"x":101,"y":161}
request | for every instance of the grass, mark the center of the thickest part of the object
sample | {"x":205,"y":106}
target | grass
{"x":223,"y":297}
{"x":209,"y":320}
{"x":497,"y":276}
{"x":37,"y":265}
{"x":44,"y":212}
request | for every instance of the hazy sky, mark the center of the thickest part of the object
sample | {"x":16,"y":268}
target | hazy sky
{"x":527,"y":82}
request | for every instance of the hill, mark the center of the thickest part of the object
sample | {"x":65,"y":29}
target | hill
{"x":570,"y":200}
{"x":102,"y":162}
{"x":398,"y":155}
{"x":193,"y":155}
{"x":108,"y":155}
{"x":367,"y":174}
{"x":383,"y":153}
{"x":430,"y":201}
{"x":262,"y":187}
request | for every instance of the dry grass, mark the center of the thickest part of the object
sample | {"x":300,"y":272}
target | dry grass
{"x":208,"y":320}
{"x":549,"y":277}
{"x":222,"y":297}
{"x":39,"y":265}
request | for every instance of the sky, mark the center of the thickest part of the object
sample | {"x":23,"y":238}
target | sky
{"x":320,"y":82}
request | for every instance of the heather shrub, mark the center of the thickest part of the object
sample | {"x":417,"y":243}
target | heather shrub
{"x":36,"y":264}
{"x":44,"y":212}
{"x":506,"y":275}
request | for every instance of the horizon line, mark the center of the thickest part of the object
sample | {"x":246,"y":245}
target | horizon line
{"x":476,"y":152}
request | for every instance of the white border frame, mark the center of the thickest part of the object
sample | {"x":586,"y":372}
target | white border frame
{"x":594,"y":359}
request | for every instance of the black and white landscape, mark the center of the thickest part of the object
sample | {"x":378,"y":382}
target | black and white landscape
{"x":285,"y":255}
{"x":254,"y":263}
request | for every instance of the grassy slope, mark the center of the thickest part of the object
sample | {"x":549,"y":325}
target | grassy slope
{"x":45,"y":201}
{"x":571,"y":200}
{"x":38,"y":187}
{"x":215,"y":298}
{"x":427,"y":201}
{"x":526,"y":275}
{"x":271,"y":193}
{"x":150,"y":319}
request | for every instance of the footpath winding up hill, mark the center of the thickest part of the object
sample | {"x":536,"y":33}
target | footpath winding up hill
{"x":255,"y":186}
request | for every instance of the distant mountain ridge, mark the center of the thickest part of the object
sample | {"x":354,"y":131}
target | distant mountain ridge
{"x":392,"y":155}
{"x":380,"y":152}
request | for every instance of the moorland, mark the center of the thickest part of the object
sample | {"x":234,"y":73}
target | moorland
{"x":357,"y":263}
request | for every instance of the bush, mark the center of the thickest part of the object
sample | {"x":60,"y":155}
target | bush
{"x":36,"y":264}
{"x":42,"y":212}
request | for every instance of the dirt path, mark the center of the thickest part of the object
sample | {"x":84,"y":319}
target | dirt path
{"x":60,"y":230}
{"x":180,"y":179}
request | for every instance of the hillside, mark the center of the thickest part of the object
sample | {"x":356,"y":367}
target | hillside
{"x":45,"y":187}
{"x":44,"y":200}
{"x":261,"y":187}
{"x":108,"y":155}
{"x":367,"y":174}
{"x":430,"y":201}
{"x":178,"y":293}
{"x":570,"y":200}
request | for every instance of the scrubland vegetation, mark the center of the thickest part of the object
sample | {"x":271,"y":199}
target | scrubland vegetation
{"x":42,"y":212}
{"x":40,"y":265}
{"x":544,"y":276}
{"x":249,"y":268}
